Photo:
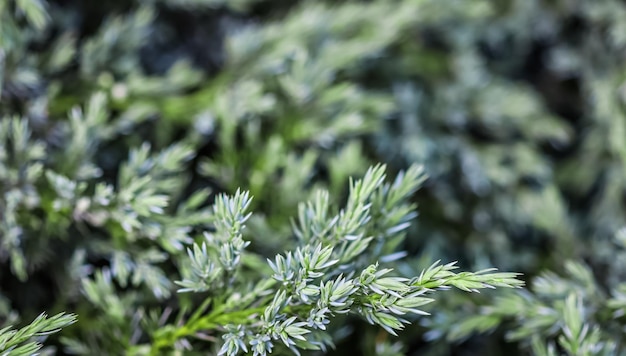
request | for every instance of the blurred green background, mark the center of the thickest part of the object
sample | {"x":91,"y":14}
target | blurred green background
{"x":516,"y":109}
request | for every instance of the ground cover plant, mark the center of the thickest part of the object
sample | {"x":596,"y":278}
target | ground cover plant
{"x":224,"y":177}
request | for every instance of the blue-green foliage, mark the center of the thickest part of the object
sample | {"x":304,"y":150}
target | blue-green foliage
{"x":176,"y":173}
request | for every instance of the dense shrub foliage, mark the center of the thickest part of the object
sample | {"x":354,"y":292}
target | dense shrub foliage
{"x":221,"y":177}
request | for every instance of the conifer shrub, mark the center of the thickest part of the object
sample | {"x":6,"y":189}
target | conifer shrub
{"x":228,"y":177}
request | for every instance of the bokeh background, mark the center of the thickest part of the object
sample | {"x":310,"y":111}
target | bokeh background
{"x":516,"y":109}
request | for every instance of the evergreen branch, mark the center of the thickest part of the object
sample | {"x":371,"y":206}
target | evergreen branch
{"x":19,"y":342}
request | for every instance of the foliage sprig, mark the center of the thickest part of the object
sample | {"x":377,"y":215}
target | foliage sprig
{"x":320,"y":279}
